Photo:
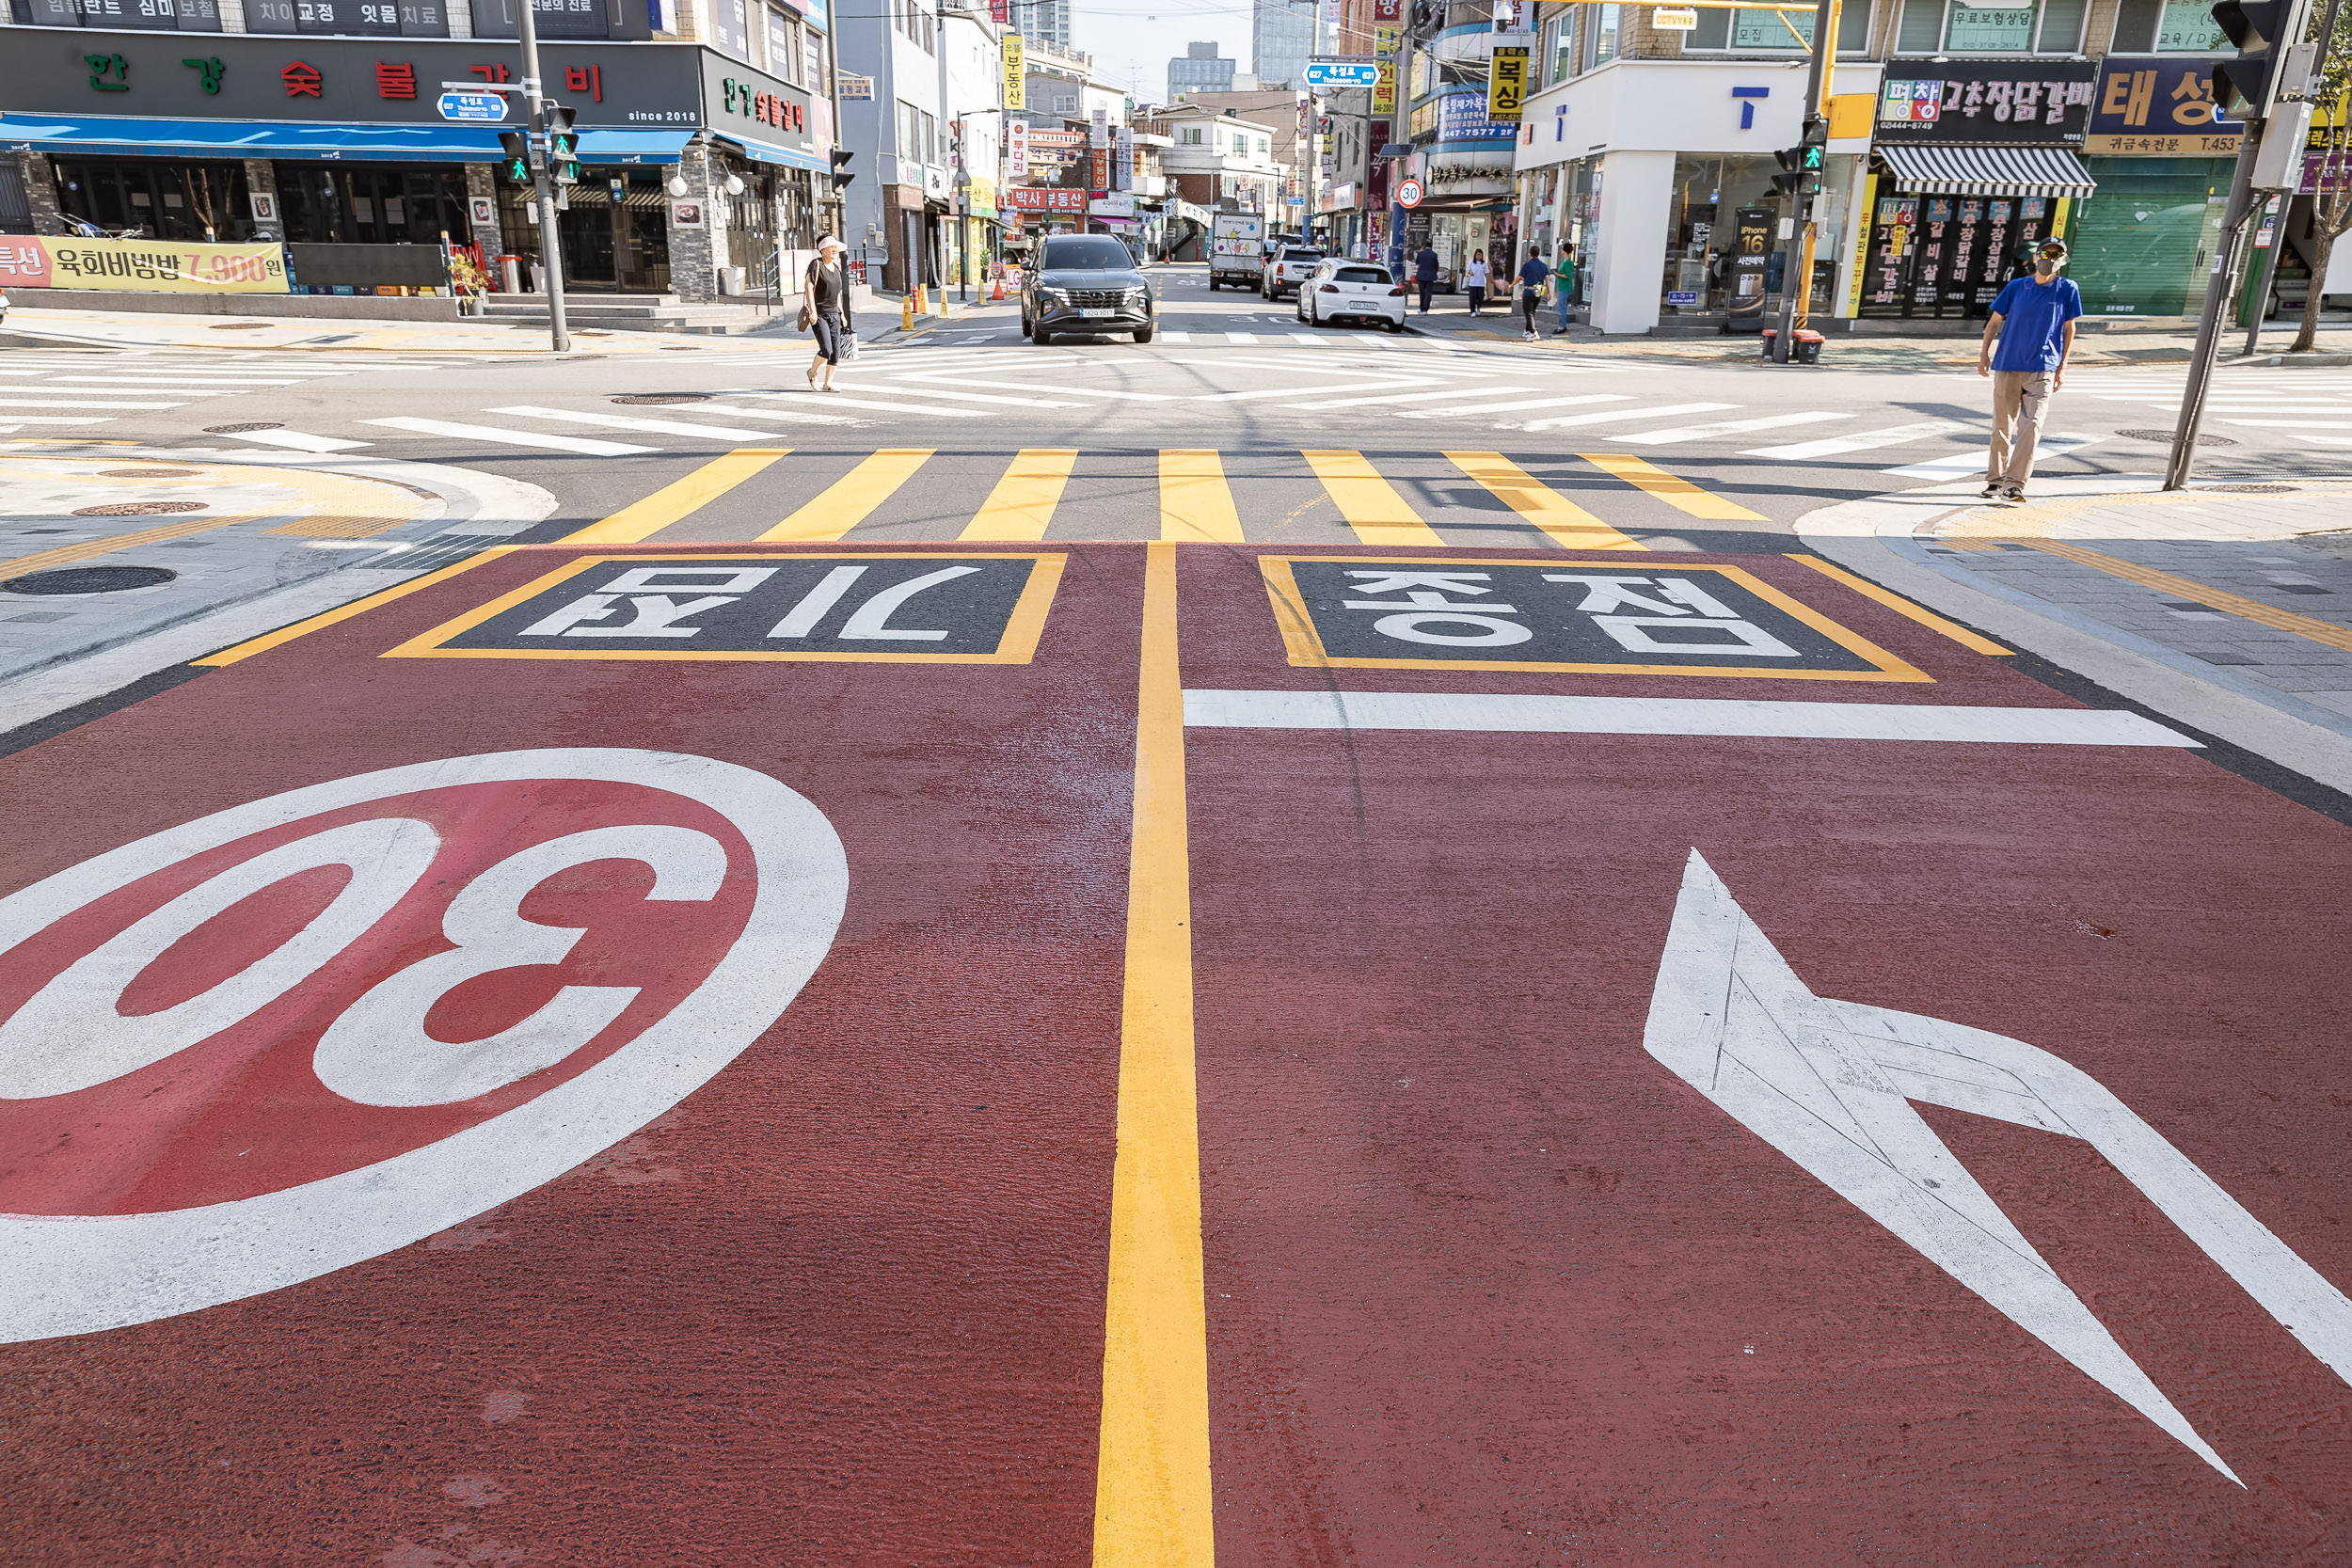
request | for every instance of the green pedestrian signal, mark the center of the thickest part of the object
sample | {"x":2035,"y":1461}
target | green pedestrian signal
{"x":516,"y":146}
{"x":1813,"y":153}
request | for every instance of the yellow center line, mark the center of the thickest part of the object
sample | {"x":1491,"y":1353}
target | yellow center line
{"x":1152,"y":1498}
{"x":1021,"y":505}
{"x":1194,"y":503}
{"x":644,"y":518}
{"x":1562,"y":521}
{"x":1902,"y":605}
{"x":2323,"y":632}
{"x":1674,"y":490}
{"x":1371,"y":505}
{"x":849,"y":499}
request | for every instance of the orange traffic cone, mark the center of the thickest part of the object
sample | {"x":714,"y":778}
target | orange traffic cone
{"x":999,"y":297}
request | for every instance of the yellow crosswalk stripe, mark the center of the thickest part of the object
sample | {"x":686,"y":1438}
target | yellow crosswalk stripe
{"x":1674,"y":490}
{"x":849,"y":499}
{"x":1371,"y":505}
{"x":1195,"y":506}
{"x":644,"y":518}
{"x":1021,"y":505}
{"x":1562,"y":521}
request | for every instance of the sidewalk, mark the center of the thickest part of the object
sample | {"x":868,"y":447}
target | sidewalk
{"x":38,"y":328}
{"x":2226,"y":607}
{"x":1448,"y":318}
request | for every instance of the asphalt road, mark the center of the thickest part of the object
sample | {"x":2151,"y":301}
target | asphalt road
{"x":1141,"y":973}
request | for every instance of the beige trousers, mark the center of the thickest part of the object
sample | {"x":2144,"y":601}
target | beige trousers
{"x":2020,"y":401}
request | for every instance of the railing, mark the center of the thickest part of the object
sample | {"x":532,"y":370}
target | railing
{"x":770,"y":289}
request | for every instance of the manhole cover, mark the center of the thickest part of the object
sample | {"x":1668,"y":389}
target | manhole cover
{"x":88,"y":579}
{"x":663,"y":396}
{"x":2165,"y":436}
{"x":138,"y":509}
{"x":147,"y":473}
{"x":241,"y":429}
{"x":2255,"y":489}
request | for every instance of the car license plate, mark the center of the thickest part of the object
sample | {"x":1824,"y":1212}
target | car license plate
{"x":1093,"y":315}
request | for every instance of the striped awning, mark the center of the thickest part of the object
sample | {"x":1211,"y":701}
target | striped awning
{"x":1988,"y":170}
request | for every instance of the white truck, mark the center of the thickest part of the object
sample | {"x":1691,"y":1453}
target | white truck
{"x":1237,"y":249}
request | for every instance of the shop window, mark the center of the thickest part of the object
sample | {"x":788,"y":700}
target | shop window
{"x":351,"y":205}
{"x":170,"y":201}
{"x":1600,"y":36}
{"x":2165,"y":27}
{"x":2062,"y":30}
{"x":1922,"y":28}
{"x":1744,"y":31}
{"x":1948,"y":27}
{"x":1558,"y":48}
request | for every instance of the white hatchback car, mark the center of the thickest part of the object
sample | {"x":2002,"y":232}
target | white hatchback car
{"x":1340,"y":290}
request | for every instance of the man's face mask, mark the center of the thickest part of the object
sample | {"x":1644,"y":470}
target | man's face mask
{"x":2048,"y":262}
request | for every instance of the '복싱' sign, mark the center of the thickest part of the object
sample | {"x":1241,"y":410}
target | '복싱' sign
{"x":1597,"y":616}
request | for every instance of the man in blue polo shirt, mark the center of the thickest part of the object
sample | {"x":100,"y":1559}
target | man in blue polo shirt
{"x":2034,"y":319}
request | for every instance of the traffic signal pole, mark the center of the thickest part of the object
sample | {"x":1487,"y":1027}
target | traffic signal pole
{"x":1796,"y":268}
{"x":2263,"y":30}
{"x":542,"y":183}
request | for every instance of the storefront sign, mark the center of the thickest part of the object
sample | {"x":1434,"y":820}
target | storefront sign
{"x":2327,"y":170}
{"x":1461,"y":116}
{"x":1507,"y":86}
{"x":1016,"y":72}
{"x":346,"y":81}
{"x":145,"y":266}
{"x":1667,"y":19}
{"x":1387,"y":41}
{"x":1387,"y":10}
{"x":762,"y":107}
{"x":1987,"y":101}
{"x":1032,"y":199}
{"x":1016,"y":150}
{"x":2158,"y":106}
{"x":1383,"y":90}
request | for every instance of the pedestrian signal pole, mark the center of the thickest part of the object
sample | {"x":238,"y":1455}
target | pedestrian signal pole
{"x":2270,"y":63}
{"x":1802,"y":168}
{"x":540,"y":117}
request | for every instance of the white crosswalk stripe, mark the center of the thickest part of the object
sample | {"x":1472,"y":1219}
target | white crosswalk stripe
{"x":842,"y":400}
{"x":1729,"y":427}
{"x":1031,"y":386}
{"x":1472,"y":410}
{"x":1618,"y":415}
{"x":624,"y":422}
{"x":497,"y":435}
{"x":1420,"y":397}
{"x":1831,"y":446}
{"x":1973,"y":459}
{"x":782,"y":416}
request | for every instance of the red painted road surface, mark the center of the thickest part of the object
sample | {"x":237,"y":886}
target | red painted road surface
{"x":1498,"y":1271}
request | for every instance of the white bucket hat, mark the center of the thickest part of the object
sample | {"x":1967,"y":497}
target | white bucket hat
{"x":829,"y":243}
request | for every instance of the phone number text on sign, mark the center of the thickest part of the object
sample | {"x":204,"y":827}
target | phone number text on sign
{"x":304,"y":1032}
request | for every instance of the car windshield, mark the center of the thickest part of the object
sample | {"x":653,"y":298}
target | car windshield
{"x":1302,"y":256}
{"x":1084,"y":253}
{"x":1361,"y":275}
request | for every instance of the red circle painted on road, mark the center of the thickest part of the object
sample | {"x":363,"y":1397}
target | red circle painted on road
{"x":243,"y":1110}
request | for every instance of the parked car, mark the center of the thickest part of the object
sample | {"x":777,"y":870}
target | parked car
{"x":1083,"y":285}
{"x":1340,"y":290}
{"x":1286,"y":269}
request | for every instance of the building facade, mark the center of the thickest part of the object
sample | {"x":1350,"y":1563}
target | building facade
{"x":1218,"y":162}
{"x":1281,"y":37}
{"x":1200,"y":70}
{"x":706,"y":134}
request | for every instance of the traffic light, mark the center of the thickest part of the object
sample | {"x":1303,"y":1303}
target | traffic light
{"x":1791,"y":175}
{"x":516,"y":146}
{"x":563,"y":141}
{"x":841,"y":175}
{"x":2257,"y":28}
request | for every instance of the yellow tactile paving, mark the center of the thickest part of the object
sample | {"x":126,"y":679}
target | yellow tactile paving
{"x":2304,"y":626}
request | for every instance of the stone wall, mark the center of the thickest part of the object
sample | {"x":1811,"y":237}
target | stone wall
{"x":694,"y":265}
{"x":41,"y":193}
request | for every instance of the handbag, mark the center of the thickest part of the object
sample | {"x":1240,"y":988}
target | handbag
{"x":808,"y":298}
{"x":809,"y":316}
{"x":848,"y":344}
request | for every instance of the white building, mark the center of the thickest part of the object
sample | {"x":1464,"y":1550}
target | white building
{"x":929,"y":64}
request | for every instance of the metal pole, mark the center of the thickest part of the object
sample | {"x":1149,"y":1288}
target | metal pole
{"x":2176,"y":470}
{"x":543,"y":183}
{"x":1800,"y":249}
{"x":2286,"y":200}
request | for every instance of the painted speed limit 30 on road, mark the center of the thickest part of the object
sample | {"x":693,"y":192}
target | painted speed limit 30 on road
{"x":1153,"y":1055}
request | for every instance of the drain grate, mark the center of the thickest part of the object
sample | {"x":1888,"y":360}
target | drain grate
{"x":138,"y":509}
{"x":146,"y":473}
{"x":640,"y":398}
{"x":241,"y":429}
{"x":2167,"y":435}
{"x":89,"y":580}
{"x":2254,"y":489}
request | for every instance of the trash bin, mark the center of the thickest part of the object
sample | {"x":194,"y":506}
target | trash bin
{"x":538,"y":278}
{"x":511,"y":274}
{"x":731,"y":281}
{"x":1805,"y":348}
{"x":1771,"y":335}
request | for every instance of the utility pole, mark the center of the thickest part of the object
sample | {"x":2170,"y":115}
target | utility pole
{"x":2287,"y":204}
{"x":541,"y":182}
{"x":1796,"y":268}
{"x":2265,"y":32}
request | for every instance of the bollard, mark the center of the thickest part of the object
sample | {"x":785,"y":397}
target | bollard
{"x":906,"y":314}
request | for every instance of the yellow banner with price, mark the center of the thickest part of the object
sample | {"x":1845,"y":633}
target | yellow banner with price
{"x":148,"y":266}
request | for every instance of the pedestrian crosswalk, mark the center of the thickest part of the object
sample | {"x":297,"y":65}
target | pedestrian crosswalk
{"x":2305,"y":407}
{"x":1597,"y":500}
{"x":57,"y":390}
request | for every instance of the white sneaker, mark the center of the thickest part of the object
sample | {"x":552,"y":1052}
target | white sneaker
{"x":1991,"y":492}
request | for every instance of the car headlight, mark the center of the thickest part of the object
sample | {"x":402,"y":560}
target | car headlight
{"x":1137,"y":296}
{"x":1055,"y":296}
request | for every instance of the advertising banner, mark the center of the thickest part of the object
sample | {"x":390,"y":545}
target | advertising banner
{"x":150,"y":266}
{"x":1506,"y":85}
{"x":1016,"y":150}
{"x":2158,"y":106}
{"x":1981,"y":103}
{"x":1016,"y":72}
{"x":1383,"y":90}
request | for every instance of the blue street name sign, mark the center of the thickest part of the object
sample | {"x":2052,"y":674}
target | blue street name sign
{"x":473,"y":105}
{"x":1334,"y":74}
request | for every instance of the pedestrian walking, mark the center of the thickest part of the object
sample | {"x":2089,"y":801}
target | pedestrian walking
{"x":1426,"y":273}
{"x":1474,"y":279}
{"x":1531,"y":275}
{"x":1563,"y":284}
{"x":2033,"y":319}
{"x":825,"y":309}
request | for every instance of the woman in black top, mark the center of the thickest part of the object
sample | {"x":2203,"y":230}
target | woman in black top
{"x":828,"y":309}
